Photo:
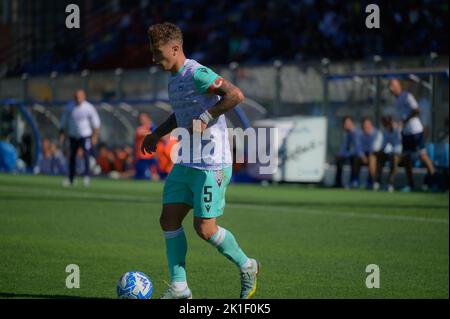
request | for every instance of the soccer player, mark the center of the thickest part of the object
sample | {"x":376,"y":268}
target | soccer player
{"x":391,"y":150}
{"x":350,"y":151}
{"x":196,"y":93}
{"x":412,"y":132}
{"x":82,"y":123}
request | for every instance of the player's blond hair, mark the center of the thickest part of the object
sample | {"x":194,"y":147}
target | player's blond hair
{"x":161,"y":33}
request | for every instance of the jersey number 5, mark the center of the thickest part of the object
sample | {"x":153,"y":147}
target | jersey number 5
{"x":207,"y":198}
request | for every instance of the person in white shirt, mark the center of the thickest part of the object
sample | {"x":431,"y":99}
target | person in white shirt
{"x":412,"y":132}
{"x":82,"y":124}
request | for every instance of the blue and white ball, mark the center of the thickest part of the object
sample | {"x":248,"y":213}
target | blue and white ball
{"x":134,"y":285}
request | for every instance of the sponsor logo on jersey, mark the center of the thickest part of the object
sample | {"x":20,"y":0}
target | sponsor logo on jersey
{"x":219,"y":177}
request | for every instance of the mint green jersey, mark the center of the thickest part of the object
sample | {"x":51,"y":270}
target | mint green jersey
{"x":190,"y":95}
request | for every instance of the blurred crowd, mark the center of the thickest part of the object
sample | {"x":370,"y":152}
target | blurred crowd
{"x":252,"y":31}
{"x":257,"y":31}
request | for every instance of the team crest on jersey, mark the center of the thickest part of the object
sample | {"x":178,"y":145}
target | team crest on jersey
{"x":219,"y":177}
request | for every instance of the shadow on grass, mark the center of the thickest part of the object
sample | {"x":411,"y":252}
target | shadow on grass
{"x":38,"y":296}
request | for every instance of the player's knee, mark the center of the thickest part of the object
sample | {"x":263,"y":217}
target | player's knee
{"x":163,"y":222}
{"x":204,"y":231}
{"x":167,"y":224}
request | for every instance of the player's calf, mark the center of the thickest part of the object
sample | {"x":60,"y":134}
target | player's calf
{"x":205,"y":227}
{"x":226,"y":244}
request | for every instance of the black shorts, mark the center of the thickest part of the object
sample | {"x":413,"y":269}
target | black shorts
{"x":413,"y":143}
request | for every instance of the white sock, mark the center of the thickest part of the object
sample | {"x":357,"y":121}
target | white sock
{"x":179,"y":285}
{"x":247,"y":264}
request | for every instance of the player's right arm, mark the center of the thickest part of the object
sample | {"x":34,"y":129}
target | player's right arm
{"x":151,"y":140}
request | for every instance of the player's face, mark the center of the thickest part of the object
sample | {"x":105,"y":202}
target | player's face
{"x":164,"y":55}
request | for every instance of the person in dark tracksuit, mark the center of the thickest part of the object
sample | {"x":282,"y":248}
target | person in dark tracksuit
{"x":81,"y":123}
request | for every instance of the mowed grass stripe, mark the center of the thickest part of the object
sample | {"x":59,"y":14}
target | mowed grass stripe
{"x":272,"y":208}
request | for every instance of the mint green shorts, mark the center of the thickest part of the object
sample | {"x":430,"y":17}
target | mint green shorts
{"x":203,"y":190}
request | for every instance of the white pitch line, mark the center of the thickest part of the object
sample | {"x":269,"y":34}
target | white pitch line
{"x":262,"y":207}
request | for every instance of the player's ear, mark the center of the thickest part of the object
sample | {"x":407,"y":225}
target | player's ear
{"x":175,"y":49}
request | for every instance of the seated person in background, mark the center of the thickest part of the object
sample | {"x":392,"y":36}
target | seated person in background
{"x":119,"y":159}
{"x":391,"y":150}
{"x":105,"y":159}
{"x":51,"y":160}
{"x":370,"y":141}
{"x":145,"y":164}
{"x":350,"y":152}
{"x":128,"y":163}
{"x":59,"y":160}
{"x":44,"y":164}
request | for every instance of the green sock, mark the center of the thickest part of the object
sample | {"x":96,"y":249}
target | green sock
{"x":176,"y":249}
{"x":227,"y":245}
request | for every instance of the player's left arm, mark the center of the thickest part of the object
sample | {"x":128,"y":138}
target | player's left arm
{"x":207,"y":81}
{"x":231,"y":96}
{"x":95,"y":123}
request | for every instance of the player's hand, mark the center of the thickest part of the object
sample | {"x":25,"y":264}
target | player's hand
{"x":149,"y":144}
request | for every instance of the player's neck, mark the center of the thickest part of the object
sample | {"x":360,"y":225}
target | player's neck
{"x":178,"y":65}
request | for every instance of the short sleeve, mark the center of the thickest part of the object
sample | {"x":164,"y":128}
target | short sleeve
{"x":411,"y":101}
{"x":95,"y":119}
{"x":204,"y":78}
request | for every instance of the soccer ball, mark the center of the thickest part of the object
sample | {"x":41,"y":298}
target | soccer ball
{"x":134,"y":285}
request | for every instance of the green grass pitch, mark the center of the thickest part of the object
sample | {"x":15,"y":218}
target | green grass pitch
{"x":311,"y":242}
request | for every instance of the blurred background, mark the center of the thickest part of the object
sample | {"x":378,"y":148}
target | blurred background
{"x":295,"y":61}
